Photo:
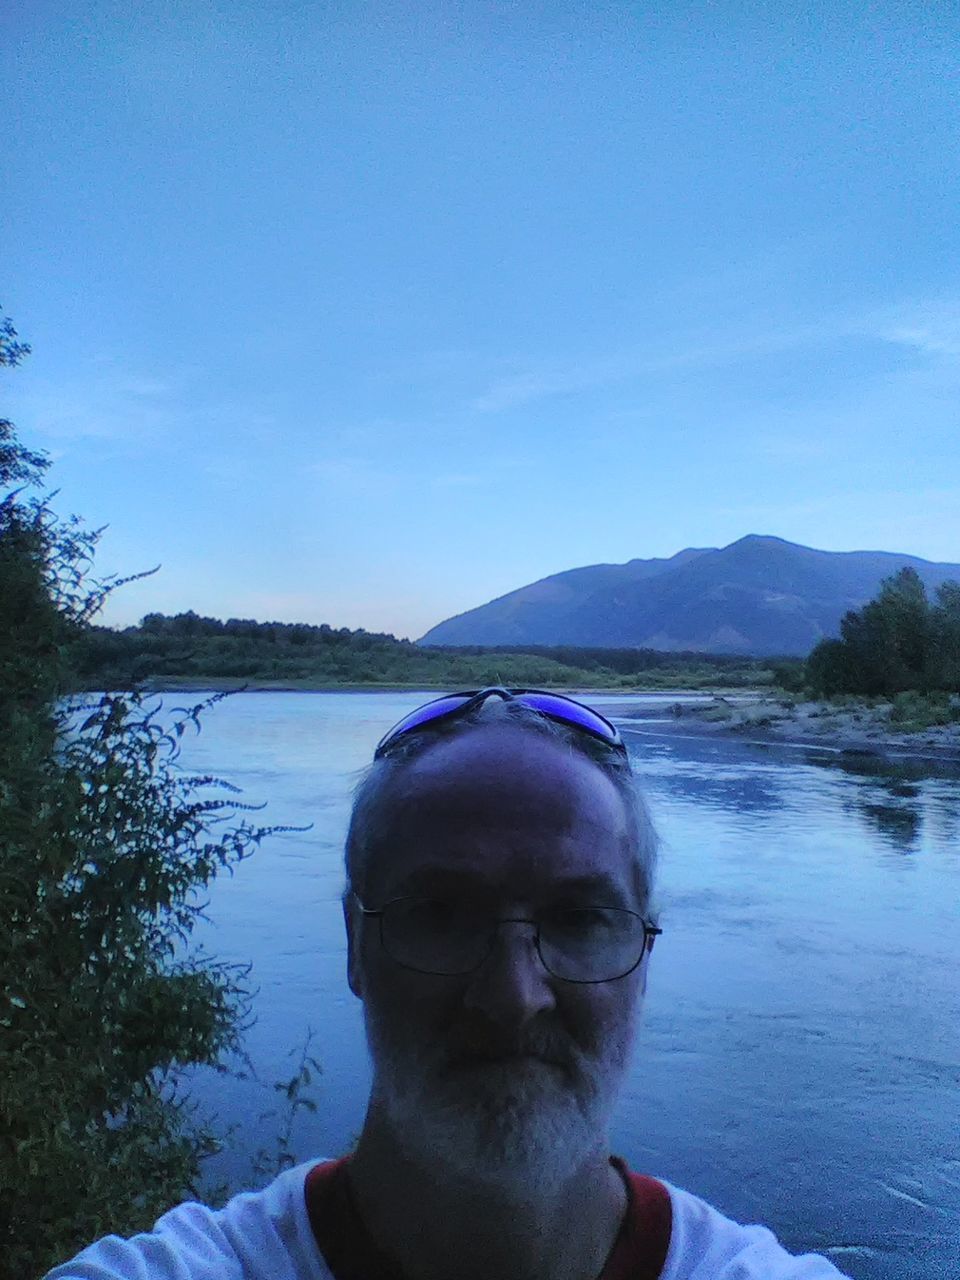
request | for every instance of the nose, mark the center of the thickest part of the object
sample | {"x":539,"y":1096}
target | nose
{"x":511,"y":986}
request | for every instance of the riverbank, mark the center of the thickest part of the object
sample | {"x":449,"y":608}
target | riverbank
{"x":864,"y":728}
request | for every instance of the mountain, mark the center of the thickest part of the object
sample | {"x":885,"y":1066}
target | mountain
{"x":759,"y":595}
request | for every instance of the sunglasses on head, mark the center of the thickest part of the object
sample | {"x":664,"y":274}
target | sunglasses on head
{"x":555,"y":706}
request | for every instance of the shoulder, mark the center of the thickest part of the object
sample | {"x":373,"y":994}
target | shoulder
{"x":706,"y":1245}
{"x":261,"y":1234}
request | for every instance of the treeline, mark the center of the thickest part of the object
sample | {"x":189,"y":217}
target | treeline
{"x":654,"y":666}
{"x":899,"y":642}
{"x":189,"y":647}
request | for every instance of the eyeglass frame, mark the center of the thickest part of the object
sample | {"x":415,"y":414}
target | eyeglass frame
{"x":610,"y":736}
{"x":650,"y":933}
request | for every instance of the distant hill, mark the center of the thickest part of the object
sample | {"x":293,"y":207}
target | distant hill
{"x":759,"y":596}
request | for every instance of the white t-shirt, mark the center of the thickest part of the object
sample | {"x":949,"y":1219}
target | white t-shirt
{"x":267,"y":1235}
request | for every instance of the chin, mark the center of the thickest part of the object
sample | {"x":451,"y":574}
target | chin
{"x":518,"y":1125}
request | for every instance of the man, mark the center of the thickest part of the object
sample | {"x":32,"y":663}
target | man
{"x":499,"y":927}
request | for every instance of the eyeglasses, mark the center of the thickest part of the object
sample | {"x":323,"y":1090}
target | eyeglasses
{"x":451,"y":939}
{"x":555,"y":706}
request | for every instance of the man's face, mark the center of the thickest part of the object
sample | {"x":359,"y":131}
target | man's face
{"x":506,"y":1071}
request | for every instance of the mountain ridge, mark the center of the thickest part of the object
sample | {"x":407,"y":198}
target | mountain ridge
{"x":759,"y":595}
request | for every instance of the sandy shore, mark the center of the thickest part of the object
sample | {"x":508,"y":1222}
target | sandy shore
{"x":849,"y":730}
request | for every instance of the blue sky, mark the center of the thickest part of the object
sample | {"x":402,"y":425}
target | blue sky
{"x":365,"y":313}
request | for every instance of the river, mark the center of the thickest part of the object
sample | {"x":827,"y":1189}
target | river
{"x":799,"y":1059}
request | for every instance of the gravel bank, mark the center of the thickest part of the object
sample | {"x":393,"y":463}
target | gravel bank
{"x":854,"y":730}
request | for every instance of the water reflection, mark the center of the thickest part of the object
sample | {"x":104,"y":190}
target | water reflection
{"x":892,"y":797}
{"x":900,"y":824}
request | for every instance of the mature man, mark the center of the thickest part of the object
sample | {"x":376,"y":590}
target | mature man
{"x":499,"y":926}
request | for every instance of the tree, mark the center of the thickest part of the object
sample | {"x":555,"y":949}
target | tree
{"x":827,"y":671}
{"x":895,"y":643}
{"x":105,"y":846}
{"x":945,"y":638}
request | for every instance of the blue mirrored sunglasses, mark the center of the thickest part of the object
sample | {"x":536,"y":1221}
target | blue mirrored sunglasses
{"x":555,"y":706}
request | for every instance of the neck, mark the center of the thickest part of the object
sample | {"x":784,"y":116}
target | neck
{"x":433,"y":1222}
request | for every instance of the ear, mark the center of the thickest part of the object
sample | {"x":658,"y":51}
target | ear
{"x":353,"y":923}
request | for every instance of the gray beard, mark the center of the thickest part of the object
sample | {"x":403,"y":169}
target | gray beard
{"x":521,"y":1125}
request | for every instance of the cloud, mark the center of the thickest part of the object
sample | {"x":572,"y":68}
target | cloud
{"x":522,"y":388}
{"x":656,"y":358}
{"x":129,"y":407}
{"x":106,"y":404}
{"x":930,"y":328}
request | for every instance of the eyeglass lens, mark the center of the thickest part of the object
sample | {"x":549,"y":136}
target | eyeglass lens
{"x":582,"y":944}
{"x":572,"y":712}
{"x":555,"y":706}
{"x":434,"y":710}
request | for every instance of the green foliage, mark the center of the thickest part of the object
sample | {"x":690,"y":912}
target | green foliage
{"x":912,"y":712}
{"x":944,"y":637}
{"x":105,"y":846}
{"x":188,"y":648}
{"x":789,"y":674}
{"x":295,"y":1096}
{"x":897,"y":642}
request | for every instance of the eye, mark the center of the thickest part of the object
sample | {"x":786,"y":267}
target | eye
{"x":578,"y":921}
{"x":435,"y":915}
{"x":588,"y":924}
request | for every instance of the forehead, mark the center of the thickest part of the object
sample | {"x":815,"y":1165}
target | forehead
{"x":505,"y":809}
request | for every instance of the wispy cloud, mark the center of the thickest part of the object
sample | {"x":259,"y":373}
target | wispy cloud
{"x":655,"y":358}
{"x":102,"y":404}
{"x":522,"y":388}
{"x":928,"y":328}
{"x":127,"y":407}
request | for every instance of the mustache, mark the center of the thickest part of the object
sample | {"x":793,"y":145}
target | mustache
{"x":476,"y":1042}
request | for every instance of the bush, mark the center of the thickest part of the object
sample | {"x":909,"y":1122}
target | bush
{"x":913,"y":711}
{"x":789,"y":674}
{"x":104,"y":847}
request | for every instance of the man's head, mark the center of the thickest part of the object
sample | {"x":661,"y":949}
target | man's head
{"x":494,"y":1064}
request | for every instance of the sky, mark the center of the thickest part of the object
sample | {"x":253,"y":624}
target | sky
{"x":367,"y":313}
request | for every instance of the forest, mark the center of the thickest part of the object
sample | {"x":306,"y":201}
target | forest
{"x":188,"y":650}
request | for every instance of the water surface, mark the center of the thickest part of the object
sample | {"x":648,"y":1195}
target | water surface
{"x":799,"y":1060}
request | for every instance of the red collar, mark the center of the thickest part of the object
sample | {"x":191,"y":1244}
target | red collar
{"x":638,"y":1252}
